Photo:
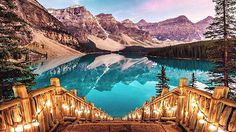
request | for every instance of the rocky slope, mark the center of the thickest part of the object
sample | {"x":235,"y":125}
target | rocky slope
{"x":79,"y":21}
{"x":176,"y":29}
{"x":116,"y":30}
{"x":39,"y":22}
{"x":77,"y":28}
{"x":203,"y":24}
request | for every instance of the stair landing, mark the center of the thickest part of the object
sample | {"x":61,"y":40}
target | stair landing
{"x":120,"y":126}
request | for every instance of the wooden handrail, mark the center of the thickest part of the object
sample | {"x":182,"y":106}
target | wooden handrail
{"x":228,"y":102}
{"x":199,"y":92}
{"x":9,"y":104}
{"x":194,"y":109}
{"x":41,"y":91}
{"x":27,"y":108}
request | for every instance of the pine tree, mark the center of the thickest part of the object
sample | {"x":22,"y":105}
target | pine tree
{"x":163,"y":81}
{"x":14,"y":68}
{"x":193,"y":81}
{"x":223,"y":29}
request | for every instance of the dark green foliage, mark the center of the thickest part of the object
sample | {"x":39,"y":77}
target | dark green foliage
{"x":223,"y":55}
{"x":197,"y":50}
{"x":216,"y":55}
{"x":10,"y":4}
{"x":193,"y":81}
{"x":14,"y":68}
{"x":162,"y":81}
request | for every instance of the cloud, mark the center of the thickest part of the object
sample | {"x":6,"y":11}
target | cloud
{"x":157,"y":5}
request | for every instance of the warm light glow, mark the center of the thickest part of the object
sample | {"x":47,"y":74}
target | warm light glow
{"x":35,"y":123}
{"x":63,"y":106}
{"x":174,"y":108}
{"x":156,"y":111}
{"x":72,"y":106}
{"x":38,"y":111}
{"x":51,"y":111}
{"x":88,"y":111}
{"x":27,"y":126}
{"x":200,"y":114}
{"x":48,"y":103}
{"x":221,"y":130}
{"x":202,"y":121}
{"x":76,"y":111}
{"x":19,"y":128}
{"x":194,"y":103}
{"x":169,"y":111}
{"x":212,"y":127}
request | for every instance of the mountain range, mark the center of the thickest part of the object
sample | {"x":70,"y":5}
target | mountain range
{"x":70,"y":31}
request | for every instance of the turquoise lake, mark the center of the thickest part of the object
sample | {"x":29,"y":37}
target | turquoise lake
{"x":119,"y":83}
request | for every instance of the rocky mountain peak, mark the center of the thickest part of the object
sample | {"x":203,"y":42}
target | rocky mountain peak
{"x":208,"y":19}
{"x":127,"y":21}
{"x":106,"y":17}
{"x":142,"y":22}
{"x":75,"y":6}
{"x":80,"y":21}
{"x":177,"y":20}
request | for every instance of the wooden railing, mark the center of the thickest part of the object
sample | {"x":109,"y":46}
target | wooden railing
{"x":43,"y":109}
{"x":195,"y":110}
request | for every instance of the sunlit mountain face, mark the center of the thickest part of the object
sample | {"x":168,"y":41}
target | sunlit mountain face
{"x":118,"y":83}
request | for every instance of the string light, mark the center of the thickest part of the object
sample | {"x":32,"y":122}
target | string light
{"x":212,"y":127}
{"x":35,"y":123}
{"x":27,"y":126}
{"x":156,"y":111}
{"x":72,"y":106}
{"x":200,"y":114}
{"x":221,"y":130}
{"x":19,"y":128}
{"x":174,"y":108}
{"x":48,"y":103}
{"x":202,"y":121}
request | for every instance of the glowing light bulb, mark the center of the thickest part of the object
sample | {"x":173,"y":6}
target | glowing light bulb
{"x":88,"y":111}
{"x":174,"y":108}
{"x":202,"y":121}
{"x":38,"y":111}
{"x":63,"y":106}
{"x":156,"y":111}
{"x":35,"y":123}
{"x":19,"y":128}
{"x":169,"y":111}
{"x":27,"y":126}
{"x":48,"y":103}
{"x":221,"y":130}
{"x":200,"y":114}
{"x":212,"y":127}
{"x":76,"y":111}
{"x":72,"y":106}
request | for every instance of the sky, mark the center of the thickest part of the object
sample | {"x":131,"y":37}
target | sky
{"x":135,"y":10}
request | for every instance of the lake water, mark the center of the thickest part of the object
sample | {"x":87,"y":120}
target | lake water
{"x":117,"y":83}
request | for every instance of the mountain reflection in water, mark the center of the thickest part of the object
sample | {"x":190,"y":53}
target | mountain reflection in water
{"x":118,"y":83}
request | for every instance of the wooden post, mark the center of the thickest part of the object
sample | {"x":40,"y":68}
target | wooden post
{"x":55,"y":82}
{"x":164,"y":91}
{"x":21,"y":92}
{"x":58,"y":99}
{"x":180,"y":103}
{"x":215,"y":106}
{"x":74,"y":92}
{"x":92,"y":112}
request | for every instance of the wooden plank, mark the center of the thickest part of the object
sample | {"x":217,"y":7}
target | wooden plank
{"x":232,"y":123}
{"x":5,"y":105}
{"x":225,"y":116}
